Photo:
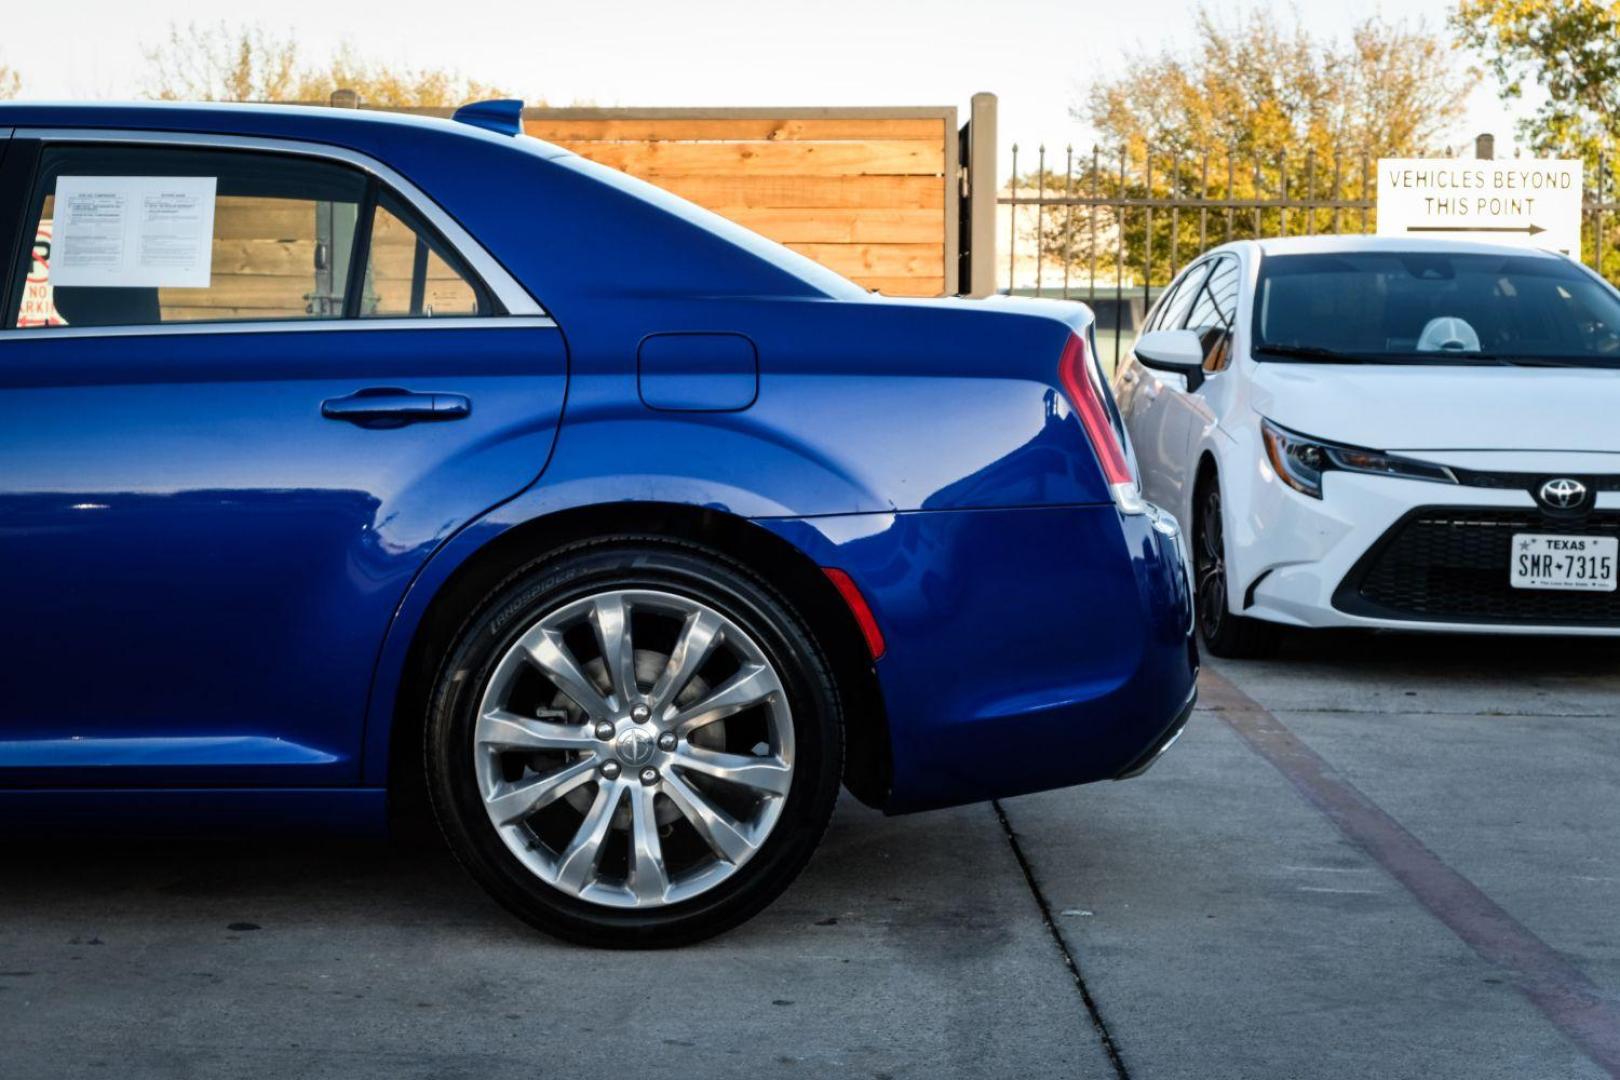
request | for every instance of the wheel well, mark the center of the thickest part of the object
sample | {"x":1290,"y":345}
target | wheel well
{"x":1207,"y":473}
{"x":866,"y":734}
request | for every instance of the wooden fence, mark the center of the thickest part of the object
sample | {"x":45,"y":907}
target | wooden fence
{"x":866,"y":192}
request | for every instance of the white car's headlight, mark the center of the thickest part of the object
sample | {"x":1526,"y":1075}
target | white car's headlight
{"x":1300,"y":461}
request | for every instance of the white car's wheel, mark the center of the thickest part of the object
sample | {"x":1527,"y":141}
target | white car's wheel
{"x":1224,"y":633}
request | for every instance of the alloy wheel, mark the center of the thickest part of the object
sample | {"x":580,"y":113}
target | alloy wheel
{"x":634,"y":748}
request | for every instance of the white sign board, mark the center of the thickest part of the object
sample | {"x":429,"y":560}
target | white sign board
{"x":130,"y":231}
{"x":1533,"y":203}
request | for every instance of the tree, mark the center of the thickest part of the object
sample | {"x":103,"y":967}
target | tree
{"x":1257,"y":109}
{"x":1404,"y":91}
{"x":221,"y":63}
{"x":1267,"y":87}
{"x":1570,"y":48}
{"x":216,"y":63}
{"x":10,"y":83}
{"x":392,"y":88}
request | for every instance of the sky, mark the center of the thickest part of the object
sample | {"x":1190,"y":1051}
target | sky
{"x":1036,"y":55}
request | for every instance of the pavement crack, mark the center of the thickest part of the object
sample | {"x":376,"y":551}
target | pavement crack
{"x":1110,"y":1047}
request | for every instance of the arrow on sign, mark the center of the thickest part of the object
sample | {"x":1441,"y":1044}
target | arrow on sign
{"x":1530,"y":230}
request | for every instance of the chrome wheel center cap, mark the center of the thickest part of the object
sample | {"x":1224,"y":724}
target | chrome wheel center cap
{"x":635,"y":746}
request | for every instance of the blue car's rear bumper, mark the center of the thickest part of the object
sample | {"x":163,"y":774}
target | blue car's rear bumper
{"x":1027,"y":648}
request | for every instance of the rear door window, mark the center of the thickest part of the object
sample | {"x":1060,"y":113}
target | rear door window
{"x":137,"y":235}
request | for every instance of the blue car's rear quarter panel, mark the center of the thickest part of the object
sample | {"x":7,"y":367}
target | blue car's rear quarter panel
{"x":1038,"y":638}
{"x":1028,"y":648}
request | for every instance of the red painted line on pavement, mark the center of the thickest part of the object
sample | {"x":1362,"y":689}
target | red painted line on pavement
{"x":1575,"y":1005}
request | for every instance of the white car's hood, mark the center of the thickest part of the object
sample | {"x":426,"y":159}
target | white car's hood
{"x":1399,"y":407}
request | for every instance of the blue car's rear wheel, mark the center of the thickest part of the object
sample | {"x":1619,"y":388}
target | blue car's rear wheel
{"x":634,"y":743}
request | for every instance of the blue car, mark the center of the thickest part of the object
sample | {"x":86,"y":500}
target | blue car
{"x":347,"y":459}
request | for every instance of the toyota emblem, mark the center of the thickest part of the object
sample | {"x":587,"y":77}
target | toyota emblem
{"x":1562,"y":493}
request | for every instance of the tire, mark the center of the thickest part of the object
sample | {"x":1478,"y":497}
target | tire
{"x":1225,"y":634}
{"x":613,"y":856}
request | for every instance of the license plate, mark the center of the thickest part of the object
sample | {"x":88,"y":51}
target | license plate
{"x":1585,"y":563}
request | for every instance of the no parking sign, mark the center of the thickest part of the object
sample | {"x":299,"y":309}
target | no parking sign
{"x":38,"y":303}
{"x":1533,"y":203}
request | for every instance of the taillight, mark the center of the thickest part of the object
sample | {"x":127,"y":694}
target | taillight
{"x":1079,"y":382}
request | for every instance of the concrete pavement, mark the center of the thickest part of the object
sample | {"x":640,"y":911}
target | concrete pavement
{"x":1222,"y":923}
{"x":1229,"y":928}
{"x":911,"y":948}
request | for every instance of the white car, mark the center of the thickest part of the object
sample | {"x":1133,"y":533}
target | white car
{"x":1367,"y":432}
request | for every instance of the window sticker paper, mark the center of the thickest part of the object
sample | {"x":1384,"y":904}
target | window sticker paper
{"x":133,"y":231}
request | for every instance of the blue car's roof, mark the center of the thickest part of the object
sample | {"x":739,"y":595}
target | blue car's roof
{"x":342,"y":127}
{"x":564,"y":226}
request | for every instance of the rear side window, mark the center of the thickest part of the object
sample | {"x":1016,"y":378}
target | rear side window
{"x":412,"y":272}
{"x":151,"y":235}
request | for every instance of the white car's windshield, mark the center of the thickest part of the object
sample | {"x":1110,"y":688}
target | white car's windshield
{"x":1434,"y":308}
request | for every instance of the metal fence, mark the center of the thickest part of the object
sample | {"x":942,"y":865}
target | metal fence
{"x":1114,"y":229}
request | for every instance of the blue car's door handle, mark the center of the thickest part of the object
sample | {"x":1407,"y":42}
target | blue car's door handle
{"x":390,"y":407}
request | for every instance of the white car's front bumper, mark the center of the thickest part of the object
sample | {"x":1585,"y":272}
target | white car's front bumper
{"x":1289,"y":554}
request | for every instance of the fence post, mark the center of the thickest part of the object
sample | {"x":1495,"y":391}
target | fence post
{"x":978,"y":225}
{"x":1597,"y":212}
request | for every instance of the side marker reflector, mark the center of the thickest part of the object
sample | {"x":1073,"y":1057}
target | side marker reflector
{"x":858,"y":607}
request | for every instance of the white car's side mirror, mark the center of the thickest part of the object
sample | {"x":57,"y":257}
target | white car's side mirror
{"x":1179,"y":351}
{"x":1171,"y":350}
